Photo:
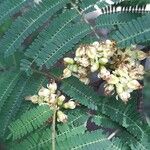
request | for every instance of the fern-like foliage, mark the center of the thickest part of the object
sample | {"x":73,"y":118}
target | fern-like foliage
{"x":126,"y":116}
{"x":39,"y":36}
{"x":7,"y":83}
{"x":135,"y":31}
{"x":52,"y":32}
{"x":77,"y":91}
{"x":95,"y":141}
{"x":28,"y":23}
{"x":41,"y":139}
{"x":9,"y":8}
{"x":29,"y":121}
{"x":11,"y":109}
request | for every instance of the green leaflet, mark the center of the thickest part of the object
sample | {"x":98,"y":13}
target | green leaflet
{"x":28,"y":23}
{"x":7,"y":82}
{"x":9,"y":8}
{"x":42,"y":139}
{"x":59,"y":24}
{"x":126,"y":116}
{"x":16,"y":103}
{"x":32,"y":119}
{"x":133,"y":32}
{"x":79,"y":92}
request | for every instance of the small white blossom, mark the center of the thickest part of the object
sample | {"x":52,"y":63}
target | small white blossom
{"x":91,"y":52}
{"x":52,"y":87}
{"x":33,"y":99}
{"x":44,"y":92}
{"x":61,"y":117}
{"x":94,"y":67}
{"x":69,"y":105}
{"x":67,"y":73}
{"x":60,"y":100}
{"x":68,"y":60}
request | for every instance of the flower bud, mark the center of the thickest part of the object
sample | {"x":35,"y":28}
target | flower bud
{"x":124,"y":96}
{"x":96,"y":44}
{"x":60,"y":100}
{"x":70,"y":105}
{"x":68,"y":60}
{"x":112,"y":79}
{"x":33,"y":99}
{"x":84,"y":62}
{"x":104,"y":73}
{"x":52,"y":87}
{"x":95,"y":67}
{"x":141,"y":55}
{"x":103,"y":61}
{"x":80,"y":51}
{"x":61,"y":117}
{"x":53,"y":99}
{"x":108,"y":89}
{"x":73,"y":68}
{"x":119,"y":88}
{"x":134,"y":84}
{"x":85,"y":80}
{"x":91,"y":52}
{"x":82,"y":71}
{"x":44,"y":92}
{"x":108,"y":42}
{"x":66,"y":73}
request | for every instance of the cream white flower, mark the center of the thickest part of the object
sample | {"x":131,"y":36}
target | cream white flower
{"x":141,"y":55}
{"x":84,"y":62}
{"x":82,"y":71}
{"x":53,"y":98}
{"x":69,"y":105}
{"x":104,"y":73}
{"x":33,"y":99}
{"x":73,"y":68}
{"x":91,"y":52}
{"x":108,"y":89}
{"x":124,"y":96}
{"x":60,"y":100}
{"x":112,"y":79}
{"x":44,"y":92}
{"x":66,"y":73}
{"x":80,"y":51}
{"x":96,"y":44}
{"x":108,"y":42}
{"x":61,"y":117}
{"x":94,"y":67}
{"x":103,"y":61}
{"x":119,"y":88}
{"x":85,"y":80}
{"x":52,"y":87}
{"x":134,"y":84}
{"x":68,"y":60}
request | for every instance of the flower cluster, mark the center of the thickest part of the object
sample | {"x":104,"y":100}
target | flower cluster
{"x":52,"y":97}
{"x":119,"y":68}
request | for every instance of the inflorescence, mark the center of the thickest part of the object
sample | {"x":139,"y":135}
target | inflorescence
{"x":119,"y":68}
{"x":54,"y":99}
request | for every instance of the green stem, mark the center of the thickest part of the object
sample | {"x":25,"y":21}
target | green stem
{"x":54,"y":130}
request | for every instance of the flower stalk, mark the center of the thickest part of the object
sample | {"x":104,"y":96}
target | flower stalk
{"x":54,"y":129}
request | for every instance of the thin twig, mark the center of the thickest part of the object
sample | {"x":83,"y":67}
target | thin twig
{"x":54,"y":130}
{"x":47,"y":75}
{"x":86,"y":21}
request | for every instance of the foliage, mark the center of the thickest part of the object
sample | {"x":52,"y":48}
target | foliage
{"x":34,"y":38}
